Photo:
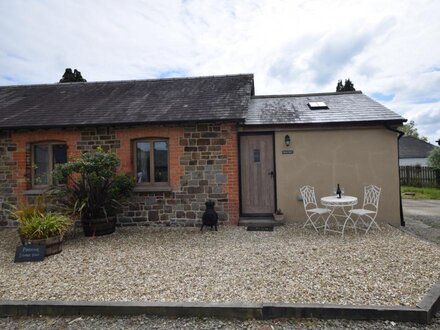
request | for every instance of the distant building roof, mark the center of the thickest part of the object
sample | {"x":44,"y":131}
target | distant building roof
{"x":343,"y":107}
{"x":411,"y":147}
{"x":126,"y":102}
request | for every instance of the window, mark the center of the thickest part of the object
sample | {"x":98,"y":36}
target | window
{"x":45,"y":156}
{"x":317,"y":105}
{"x":151,"y":162}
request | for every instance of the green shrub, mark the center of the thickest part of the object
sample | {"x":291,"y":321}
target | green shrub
{"x":434,"y":162}
{"x":93,"y":188}
{"x":434,"y":158}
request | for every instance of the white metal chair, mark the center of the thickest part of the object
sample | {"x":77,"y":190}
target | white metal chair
{"x":313,"y":212}
{"x":368,"y":213}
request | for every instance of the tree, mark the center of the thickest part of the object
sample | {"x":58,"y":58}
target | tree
{"x":434,"y":162}
{"x":434,"y":158}
{"x":339,"y":86}
{"x":410,"y":129}
{"x":70,"y":76}
{"x":347,"y":86}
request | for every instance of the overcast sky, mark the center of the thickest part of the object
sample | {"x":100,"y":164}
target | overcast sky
{"x":389,"y":49}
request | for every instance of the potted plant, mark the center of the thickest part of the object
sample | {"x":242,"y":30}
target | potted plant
{"x":278,"y":215}
{"x":93,"y":191}
{"x":38,"y":227}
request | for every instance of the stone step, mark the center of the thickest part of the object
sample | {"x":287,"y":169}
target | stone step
{"x":259,"y":222}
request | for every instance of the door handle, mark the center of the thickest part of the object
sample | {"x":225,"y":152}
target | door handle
{"x":271,"y":173}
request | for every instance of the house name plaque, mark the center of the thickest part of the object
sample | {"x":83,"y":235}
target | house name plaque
{"x":287,"y":152}
{"x":26,"y":253}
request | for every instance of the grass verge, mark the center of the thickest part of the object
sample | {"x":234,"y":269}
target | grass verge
{"x":420,"y":192}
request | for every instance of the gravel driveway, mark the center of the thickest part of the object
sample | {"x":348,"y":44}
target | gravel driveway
{"x":231,"y":265}
{"x":422,"y":218}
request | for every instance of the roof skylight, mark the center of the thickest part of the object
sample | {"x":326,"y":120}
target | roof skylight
{"x":317,"y":105}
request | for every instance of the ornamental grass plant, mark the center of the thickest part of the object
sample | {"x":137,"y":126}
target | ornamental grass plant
{"x":43,"y":225}
{"x":35,"y":223}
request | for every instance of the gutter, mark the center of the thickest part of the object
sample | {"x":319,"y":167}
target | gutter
{"x":402,"y":220}
{"x":126,"y":124}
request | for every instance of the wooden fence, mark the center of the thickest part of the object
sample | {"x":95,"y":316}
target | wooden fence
{"x":418,"y":176}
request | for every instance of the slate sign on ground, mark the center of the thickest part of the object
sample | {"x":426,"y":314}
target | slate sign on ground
{"x":259,"y":228}
{"x":26,"y":253}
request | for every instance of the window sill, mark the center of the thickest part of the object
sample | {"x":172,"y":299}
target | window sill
{"x":41,"y":190}
{"x":152,"y":189}
{"x":35,"y":191}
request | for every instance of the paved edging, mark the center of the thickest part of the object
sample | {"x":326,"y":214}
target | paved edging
{"x":431,"y":301}
{"x":171,"y":309}
{"x":423,"y":313}
{"x":348,"y":312}
{"x":231,"y":311}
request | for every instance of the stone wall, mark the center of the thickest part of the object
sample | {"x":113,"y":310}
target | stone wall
{"x":94,"y":137}
{"x":8,"y":180}
{"x":204,"y":163}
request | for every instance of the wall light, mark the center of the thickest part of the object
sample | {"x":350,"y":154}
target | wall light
{"x":287,"y":140}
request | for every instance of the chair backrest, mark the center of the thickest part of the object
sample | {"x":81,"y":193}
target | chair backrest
{"x":308,"y":196}
{"x":371,"y":197}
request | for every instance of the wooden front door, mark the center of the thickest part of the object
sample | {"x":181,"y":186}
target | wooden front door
{"x":257,"y":172}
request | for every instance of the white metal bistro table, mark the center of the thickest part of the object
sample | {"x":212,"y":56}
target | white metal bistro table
{"x":338,"y":208}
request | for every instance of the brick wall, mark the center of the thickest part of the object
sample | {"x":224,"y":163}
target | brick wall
{"x":22,"y":155}
{"x":202,"y":165}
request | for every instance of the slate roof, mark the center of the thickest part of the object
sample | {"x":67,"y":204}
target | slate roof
{"x":126,"y":102}
{"x":345,"y":107}
{"x":411,"y":147}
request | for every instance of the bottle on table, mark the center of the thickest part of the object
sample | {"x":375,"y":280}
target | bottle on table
{"x":338,"y":192}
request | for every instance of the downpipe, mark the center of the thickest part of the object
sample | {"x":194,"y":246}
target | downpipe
{"x":402,"y":220}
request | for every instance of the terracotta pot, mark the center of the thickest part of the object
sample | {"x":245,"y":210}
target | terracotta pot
{"x":53,"y":245}
{"x":278,"y":217}
{"x":99,"y":227}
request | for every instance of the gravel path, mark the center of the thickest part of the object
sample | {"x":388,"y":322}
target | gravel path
{"x":143,"y":322}
{"x":231,"y":265}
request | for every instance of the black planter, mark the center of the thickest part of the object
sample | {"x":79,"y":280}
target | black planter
{"x":99,"y":227}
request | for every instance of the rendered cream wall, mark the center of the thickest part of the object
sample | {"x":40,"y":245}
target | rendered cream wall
{"x":351,"y":157}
